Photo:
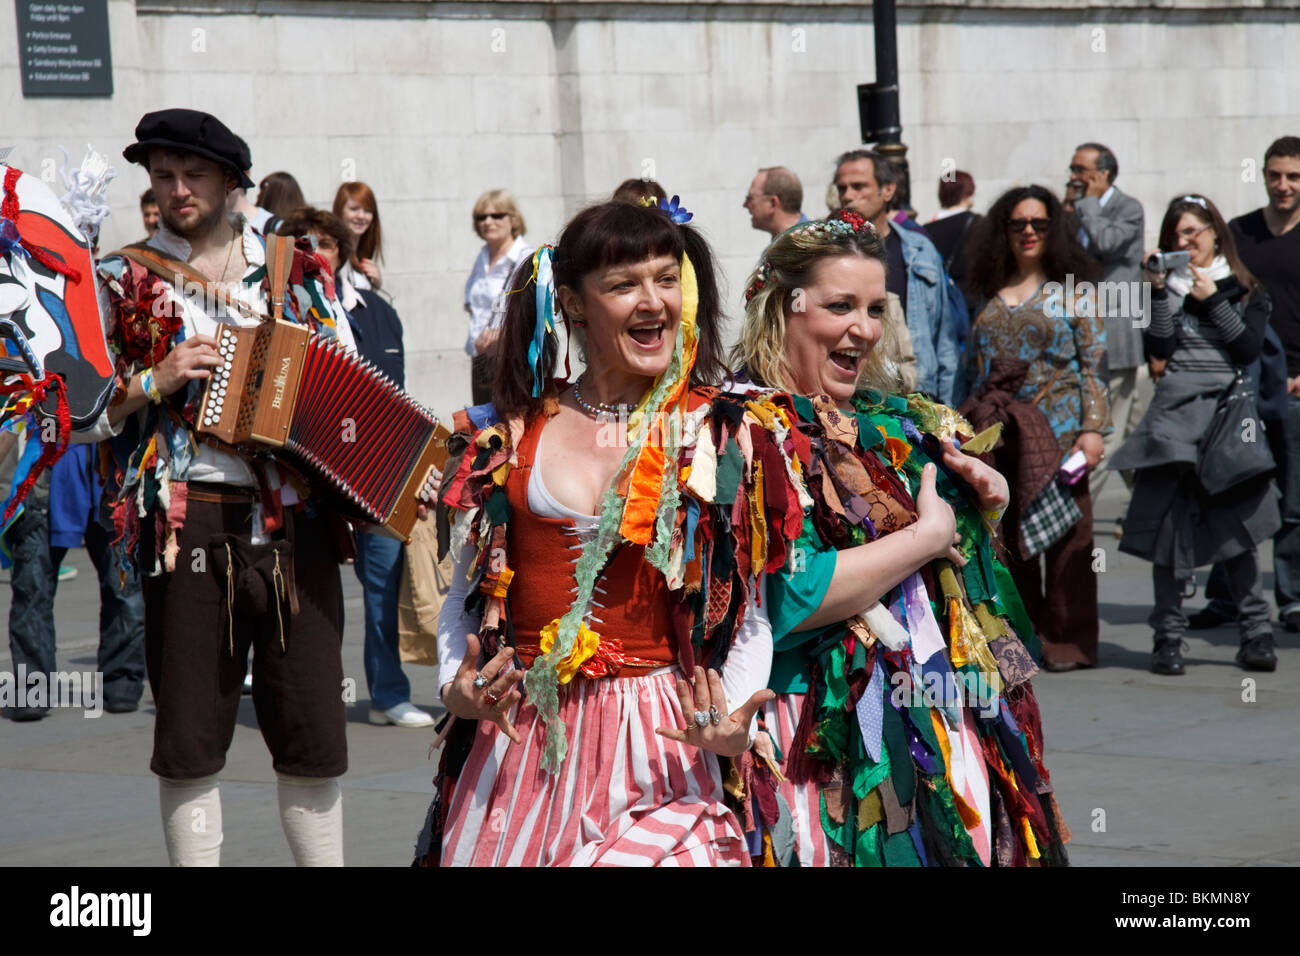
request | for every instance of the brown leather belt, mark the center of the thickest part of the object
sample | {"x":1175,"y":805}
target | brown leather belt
{"x":215,"y":493}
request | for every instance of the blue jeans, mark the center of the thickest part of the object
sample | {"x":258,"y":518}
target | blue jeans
{"x":34,"y":580}
{"x":121,"y":620}
{"x":379,"y":568}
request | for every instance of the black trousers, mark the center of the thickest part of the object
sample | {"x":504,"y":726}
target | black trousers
{"x":226,"y":597}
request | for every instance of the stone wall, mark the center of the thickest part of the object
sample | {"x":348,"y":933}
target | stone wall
{"x":433,"y":103}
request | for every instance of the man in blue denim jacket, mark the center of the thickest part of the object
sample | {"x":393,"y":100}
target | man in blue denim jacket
{"x":866,"y":183}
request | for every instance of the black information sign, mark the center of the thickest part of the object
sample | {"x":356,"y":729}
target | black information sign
{"x":63,"y":48}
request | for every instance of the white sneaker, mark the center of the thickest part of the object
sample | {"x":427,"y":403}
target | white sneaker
{"x":248,"y":683}
{"x":404,"y":714}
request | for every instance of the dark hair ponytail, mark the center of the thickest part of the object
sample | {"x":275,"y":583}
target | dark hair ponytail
{"x":710,"y":366}
{"x":512,"y":388}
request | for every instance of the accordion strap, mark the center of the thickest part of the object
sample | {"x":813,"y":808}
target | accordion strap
{"x":173,"y":270}
{"x":279,"y":263}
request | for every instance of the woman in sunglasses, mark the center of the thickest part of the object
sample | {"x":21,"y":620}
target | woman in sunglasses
{"x":1027,"y":265}
{"x":1208,"y":319}
{"x":500,"y":224}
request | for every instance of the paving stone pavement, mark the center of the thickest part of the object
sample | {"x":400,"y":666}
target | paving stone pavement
{"x":1148,"y":770}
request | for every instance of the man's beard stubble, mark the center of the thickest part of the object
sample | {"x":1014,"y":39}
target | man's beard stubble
{"x":204,"y":227}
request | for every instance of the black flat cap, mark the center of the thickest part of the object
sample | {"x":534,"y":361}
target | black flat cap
{"x":191,"y":131}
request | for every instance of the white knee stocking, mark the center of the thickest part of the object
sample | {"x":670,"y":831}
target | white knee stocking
{"x":191,"y":814}
{"x":311,"y":809}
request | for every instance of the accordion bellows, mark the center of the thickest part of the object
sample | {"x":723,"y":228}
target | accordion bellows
{"x":335,"y":416}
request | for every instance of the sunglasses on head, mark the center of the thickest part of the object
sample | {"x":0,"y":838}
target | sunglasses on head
{"x":1019,"y":225}
{"x":479,"y":217}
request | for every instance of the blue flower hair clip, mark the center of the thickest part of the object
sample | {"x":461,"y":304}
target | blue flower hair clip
{"x":673,"y":209}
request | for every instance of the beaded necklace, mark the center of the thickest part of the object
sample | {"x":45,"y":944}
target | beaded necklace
{"x":619,"y":410}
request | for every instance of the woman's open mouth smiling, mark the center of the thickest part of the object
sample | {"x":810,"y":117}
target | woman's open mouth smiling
{"x":649,"y":337}
{"x":846,"y":360}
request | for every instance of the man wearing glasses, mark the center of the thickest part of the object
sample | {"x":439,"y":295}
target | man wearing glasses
{"x":775,"y":200}
{"x":1110,"y":229}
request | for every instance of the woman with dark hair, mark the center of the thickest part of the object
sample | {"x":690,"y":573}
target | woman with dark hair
{"x":279,"y":194}
{"x":1207,"y":321}
{"x":892,"y":577}
{"x":1026,"y":264}
{"x":953,"y":226}
{"x":611,"y":536}
{"x":354,"y":203}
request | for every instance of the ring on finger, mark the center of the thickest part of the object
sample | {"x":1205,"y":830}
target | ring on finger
{"x":691,"y":726}
{"x":492,"y":698}
{"x":481,"y":681}
{"x":715,"y":718}
{"x":701,"y":718}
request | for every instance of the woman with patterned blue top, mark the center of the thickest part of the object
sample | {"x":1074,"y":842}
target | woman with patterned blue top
{"x":1027,"y":265}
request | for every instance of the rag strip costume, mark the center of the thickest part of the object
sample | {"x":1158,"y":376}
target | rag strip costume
{"x":910,"y":733}
{"x":667,"y":576}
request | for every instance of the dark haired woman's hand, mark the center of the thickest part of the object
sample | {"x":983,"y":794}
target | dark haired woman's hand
{"x":1157,"y":279}
{"x":1091,"y":445}
{"x":723,"y":732}
{"x":989,"y":485}
{"x":492,"y":701}
{"x":1203,"y":287}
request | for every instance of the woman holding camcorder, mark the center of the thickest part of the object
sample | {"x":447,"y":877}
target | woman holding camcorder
{"x":1204,"y":492}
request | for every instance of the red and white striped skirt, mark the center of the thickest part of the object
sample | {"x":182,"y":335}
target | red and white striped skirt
{"x":624,"y":796}
{"x":803,"y":799}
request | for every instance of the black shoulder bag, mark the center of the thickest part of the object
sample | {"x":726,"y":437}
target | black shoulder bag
{"x":1233,"y":449}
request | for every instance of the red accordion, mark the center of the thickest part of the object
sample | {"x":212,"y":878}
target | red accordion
{"x":331,"y":413}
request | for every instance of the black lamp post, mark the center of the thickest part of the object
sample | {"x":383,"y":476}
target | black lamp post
{"x":878,"y":112}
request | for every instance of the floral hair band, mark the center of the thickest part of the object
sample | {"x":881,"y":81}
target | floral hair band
{"x":846,"y":222}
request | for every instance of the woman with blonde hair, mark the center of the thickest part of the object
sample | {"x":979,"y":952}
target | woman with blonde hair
{"x":907,"y":727}
{"x":354,"y":203}
{"x":499,"y":223}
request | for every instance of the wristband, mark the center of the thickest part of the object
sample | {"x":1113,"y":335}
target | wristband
{"x":149,"y":387}
{"x":995,"y":515}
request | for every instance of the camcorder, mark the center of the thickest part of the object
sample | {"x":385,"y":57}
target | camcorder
{"x":1164,"y":262}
